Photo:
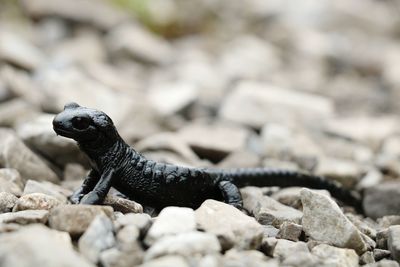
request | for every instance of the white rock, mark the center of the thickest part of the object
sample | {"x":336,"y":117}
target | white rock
{"x":184,"y":244}
{"x":324,"y":221}
{"x":11,"y":181}
{"x":336,"y":257}
{"x":267,"y":210}
{"x":171,"y":221}
{"x":7,"y":201}
{"x":40,"y":247}
{"x":260,"y":103}
{"x":36,"y":201}
{"x":25,"y":217}
{"x":14,"y":154}
{"x":98,"y":237}
{"x":231,"y":226}
{"x":284,"y":248}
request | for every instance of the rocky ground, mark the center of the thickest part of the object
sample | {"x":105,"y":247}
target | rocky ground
{"x":304,"y":85}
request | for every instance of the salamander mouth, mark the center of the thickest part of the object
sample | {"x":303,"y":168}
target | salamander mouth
{"x":63,"y":132}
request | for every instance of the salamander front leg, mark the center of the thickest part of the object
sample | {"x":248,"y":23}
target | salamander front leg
{"x":87,"y":186}
{"x":231,"y":194}
{"x":99,"y":192}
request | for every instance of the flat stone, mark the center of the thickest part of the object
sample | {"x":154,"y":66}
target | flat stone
{"x":290,"y":231}
{"x":284,"y":248}
{"x":36,"y":201}
{"x":214,"y":142}
{"x":114,"y":257}
{"x":240,"y":159}
{"x":122,"y":204}
{"x":39,"y":135}
{"x":324,"y":221}
{"x":337,"y":257}
{"x":172,"y":97}
{"x":394,"y":242}
{"x":382,"y":199}
{"x":133,"y":40}
{"x":98,"y":13}
{"x":171,"y":221}
{"x":11,"y":181}
{"x":380,"y":254}
{"x":367,"y":257}
{"x":46,"y":188}
{"x":345,"y":172}
{"x":141,"y":221}
{"x":98,"y":237}
{"x":261,"y":102}
{"x":41,"y":247}
{"x":267,"y":210}
{"x":7,"y":201}
{"x":169,"y":260}
{"x":18,"y":51}
{"x":231,"y":226}
{"x":25,"y":217}
{"x":75,"y":219}
{"x":128,"y":237}
{"x":185,"y":244}
{"x":384,"y":263}
{"x":16,"y":110}
{"x":359,"y":129}
{"x":249,"y":258}
{"x":290,"y":196}
{"x":14,"y":154}
{"x":388,"y":220}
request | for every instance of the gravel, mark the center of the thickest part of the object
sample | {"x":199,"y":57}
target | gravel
{"x":204,"y":84}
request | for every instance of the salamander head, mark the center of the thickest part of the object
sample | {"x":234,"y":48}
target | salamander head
{"x":86,"y":126}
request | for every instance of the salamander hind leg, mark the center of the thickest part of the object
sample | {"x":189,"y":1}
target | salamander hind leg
{"x":231,"y":194}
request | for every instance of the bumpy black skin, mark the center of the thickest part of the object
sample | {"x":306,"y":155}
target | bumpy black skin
{"x":116,"y":164}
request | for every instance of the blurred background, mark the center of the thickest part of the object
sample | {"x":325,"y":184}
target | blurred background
{"x":311,"y":85}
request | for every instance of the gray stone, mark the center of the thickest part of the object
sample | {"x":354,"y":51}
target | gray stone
{"x":39,"y":135}
{"x":371,"y":179}
{"x":169,"y":260}
{"x":240,"y":159}
{"x":270,"y":231}
{"x":14,"y":154}
{"x":291,"y":196}
{"x":268,"y":245}
{"x":36,"y":201}
{"x":46,"y":188}
{"x":171,"y":221}
{"x":382,"y":199}
{"x":359,"y":129}
{"x":75,"y":219}
{"x":98,"y":237}
{"x":99,"y":13}
{"x":267,"y":210}
{"x":172,"y":97}
{"x":302,"y":259}
{"x":7,"y":201}
{"x":18,"y":51}
{"x":11,"y":181}
{"x":133,"y":40}
{"x":284,"y":248}
{"x":215,"y":141}
{"x":383,"y":263}
{"x":15,"y":111}
{"x":367,"y":257}
{"x":394,"y":242}
{"x":184,"y":244}
{"x":141,"y":221}
{"x":382,"y":238}
{"x":25,"y":217}
{"x":261,"y":102}
{"x":249,"y":258}
{"x":336,"y":257}
{"x":324,"y":221}
{"x":114,"y":257}
{"x":380,"y":254}
{"x":231,"y":226}
{"x":122,"y":204}
{"x":127,"y":238}
{"x":345,"y":172}
{"x":389,"y":220}
{"x":290,"y":231}
{"x":41,"y":247}
{"x":363,"y":225}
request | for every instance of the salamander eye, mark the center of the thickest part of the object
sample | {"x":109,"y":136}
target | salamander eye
{"x":80,"y":123}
